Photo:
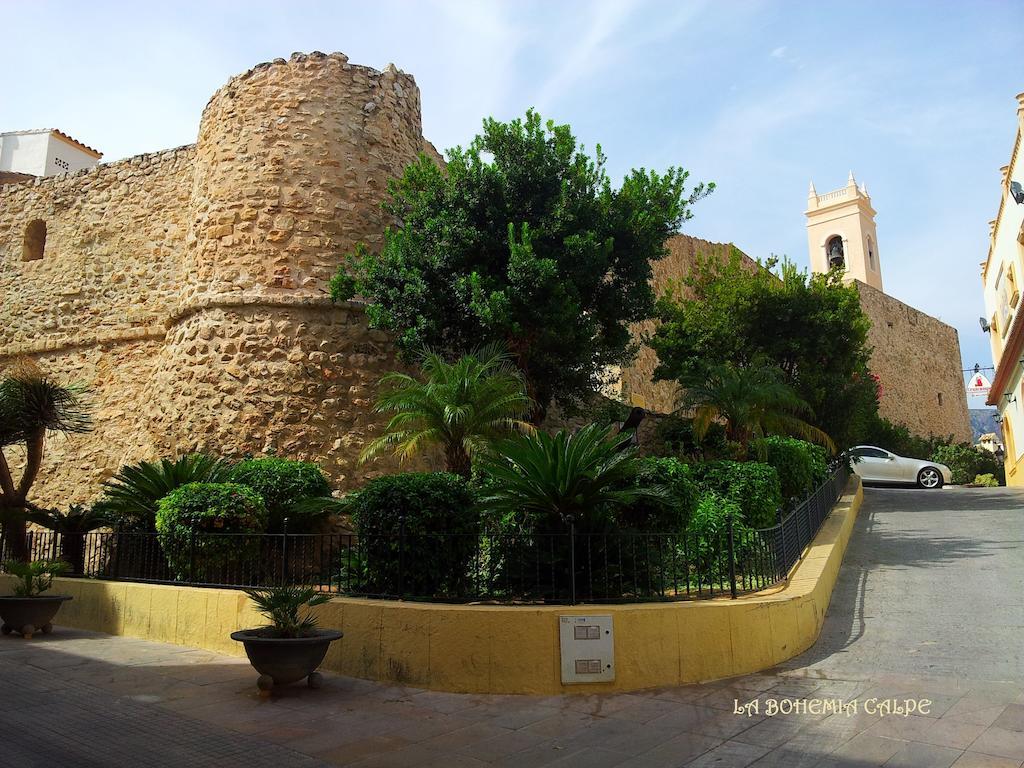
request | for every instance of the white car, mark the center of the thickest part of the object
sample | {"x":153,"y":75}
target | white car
{"x":876,"y":465}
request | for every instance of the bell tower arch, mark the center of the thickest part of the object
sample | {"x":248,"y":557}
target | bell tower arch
{"x":841,"y":233}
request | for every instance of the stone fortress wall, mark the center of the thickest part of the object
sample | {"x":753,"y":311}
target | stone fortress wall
{"x":917,"y":359}
{"x":187,"y":289}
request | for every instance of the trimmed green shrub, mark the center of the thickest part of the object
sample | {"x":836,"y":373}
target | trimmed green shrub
{"x":965,"y":461}
{"x":440,"y":538}
{"x":709,"y":531}
{"x":283,"y":483}
{"x":661,"y":515}
{"x":209,"y":508}
{"x":753,"y":486}
{"x":986,"y":481}
{"x":802,"y":466}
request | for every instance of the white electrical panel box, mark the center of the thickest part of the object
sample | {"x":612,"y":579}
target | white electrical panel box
{"x":588,"y":649}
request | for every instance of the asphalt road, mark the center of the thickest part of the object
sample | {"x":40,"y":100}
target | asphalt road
{"x":932,"y":584}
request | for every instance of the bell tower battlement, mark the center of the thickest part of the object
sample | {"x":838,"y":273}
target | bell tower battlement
{"x":841,"y":232}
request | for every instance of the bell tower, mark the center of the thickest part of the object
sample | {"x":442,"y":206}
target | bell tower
{"x":841,"y":233}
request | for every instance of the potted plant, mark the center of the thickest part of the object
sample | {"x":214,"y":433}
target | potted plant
{"x":290,"y":647}
{"x":29,"y":610}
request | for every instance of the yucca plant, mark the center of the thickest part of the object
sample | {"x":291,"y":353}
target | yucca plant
{"x":282,"y":606}
{"x":753,"y":401}
{"x":463,"y":406}
{"x":130,"y":497}
{"x":541,"y":482}
{"x":31,"y":406}
{"x":35,"y":577}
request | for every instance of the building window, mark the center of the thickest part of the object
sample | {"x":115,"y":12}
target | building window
{"x":35,"y":241}
{"x":834,"y":252}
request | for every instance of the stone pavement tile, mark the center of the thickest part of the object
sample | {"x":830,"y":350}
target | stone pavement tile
{"x":504,"y":744}
{"x":619,"y":736}
{"x":560,"y":724}
{"x":1000,"y":742}
{"x":727,"y":698}
{"x":602,"y":705}
{"x":684,"y":693}
{"x":975,"y":711}
{"x":374,"y":750}
{"x":872,"y":750}
{"x":978,"y":760}
{"x":592,"y":757}
{"x":539,"y":756}
{"x":772,"y":732}
{"x":947,"y":732}
{"x":1012,"y":718}
{"x":524,"y":716}
{"x":916,"y":755}
{"x":731,"y":754}
{"x":908,"y":728}
{"x":643,"y":710}
{"x":463,"y":737}
{"x":705,"y":720}
{"x":795,"y":688}
{"x":448,"y":703}
{"x":677,"y":750}
{"x":790,"y":758}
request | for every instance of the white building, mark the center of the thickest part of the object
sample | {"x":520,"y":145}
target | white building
{"x":45,"y":152}
{"x":1001,"y":275}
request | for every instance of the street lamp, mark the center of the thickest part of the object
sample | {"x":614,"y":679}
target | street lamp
{"x":1017,"y":192}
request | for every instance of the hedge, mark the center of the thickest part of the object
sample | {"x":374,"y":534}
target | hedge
{"x":802,"y":466}
{"x":440,"y":527}
{"x":662,"y":516}
{"x":753,"y":486}
{"x":966,"y":462}
{"x":282,"y":483}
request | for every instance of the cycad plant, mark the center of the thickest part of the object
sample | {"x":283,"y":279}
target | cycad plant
{"x":282,"y":606}
{"x":752,"y":401}
{"x":71,"y":527}
{"x":31,"y":406}
{"x":541,"y":482}
{"x":130,"y":497}
{"x":463,"y":406}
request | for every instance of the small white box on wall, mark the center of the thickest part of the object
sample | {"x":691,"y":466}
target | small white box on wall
{"x":588,"y":649}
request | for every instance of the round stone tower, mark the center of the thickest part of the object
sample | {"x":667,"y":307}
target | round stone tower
{"x":292,"y":164}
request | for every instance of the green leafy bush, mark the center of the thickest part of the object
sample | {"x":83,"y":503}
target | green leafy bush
{"x":987,"y":481}
{"x":753,"y":486}
{"x":440,"y":524}
{"x":209,"y":508}
{"x":674,"y":437}
{"x":661,"y":514}
{"x":131,"y":496}
{"x":802,"y":466}
{"x":966,"y":462}
{"x":282,"y":484}
{"x":708,"y":532}
{"x":897,"y":438}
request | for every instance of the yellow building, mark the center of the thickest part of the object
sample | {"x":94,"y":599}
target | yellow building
{"x":1001,"y":274}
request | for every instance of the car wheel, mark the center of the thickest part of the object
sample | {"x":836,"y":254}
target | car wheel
{"x":929,"y":477}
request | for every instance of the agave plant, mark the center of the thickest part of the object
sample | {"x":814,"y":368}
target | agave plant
{"x":31,"y":406}
{"x":753,"y":401}
{"x":541,"y":481}
{"x":463,"y":406}
{"x":281,"y":605}
{"x":130,"y":497}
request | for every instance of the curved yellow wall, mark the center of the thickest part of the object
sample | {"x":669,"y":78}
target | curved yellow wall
{"x":503,"y":649}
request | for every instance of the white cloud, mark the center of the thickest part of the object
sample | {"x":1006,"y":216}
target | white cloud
{"x":778,"y":53}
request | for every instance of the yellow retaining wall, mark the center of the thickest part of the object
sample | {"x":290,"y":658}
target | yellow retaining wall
{"x":502,"y":649}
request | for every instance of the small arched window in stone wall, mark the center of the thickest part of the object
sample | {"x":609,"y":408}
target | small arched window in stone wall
{"x":834,"y":251}
{"x":35,"y":241}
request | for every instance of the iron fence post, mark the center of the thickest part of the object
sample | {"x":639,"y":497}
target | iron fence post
{"x":192,"y":557}
{"x":572,"y":559}
{"x":115,"y":560}
{"x":732,"y":558}
{"x":284,"y":552}
{"x":401,"y":556}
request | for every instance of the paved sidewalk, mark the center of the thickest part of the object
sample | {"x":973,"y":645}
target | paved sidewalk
{"x":82,"y":699}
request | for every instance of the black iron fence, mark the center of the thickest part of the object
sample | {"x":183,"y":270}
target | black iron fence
{"x":565,"y":567}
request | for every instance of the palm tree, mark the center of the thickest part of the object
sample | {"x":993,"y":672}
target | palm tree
{"x":463,"y":406}
{"x":545,"y":481}
{"x":31,"y":406}
{"x":752,"y":401}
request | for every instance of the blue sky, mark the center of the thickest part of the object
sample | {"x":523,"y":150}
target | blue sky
{"x":917,"y":98}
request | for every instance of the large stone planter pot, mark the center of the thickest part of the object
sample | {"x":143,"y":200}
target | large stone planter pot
{"x":283,"y":660}
{"x":28,"y":615}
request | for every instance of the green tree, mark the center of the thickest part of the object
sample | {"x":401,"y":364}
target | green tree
{"x":751,"y":400}
{"x":811,"y":327}
{"x":31,"y":406}
{"x":521,"y":241}
{"x":462,"y":406}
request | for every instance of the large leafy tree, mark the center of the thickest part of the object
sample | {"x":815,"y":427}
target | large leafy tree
{"x":521,"y":240}
{"x":462,"y":406}
{"x":31,"y":406}
{"x":811,"y":327}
